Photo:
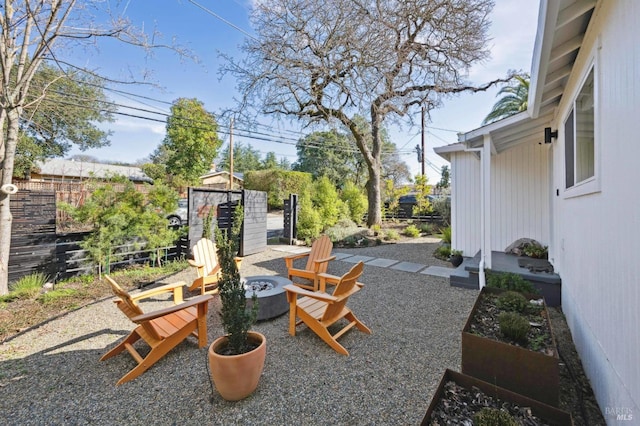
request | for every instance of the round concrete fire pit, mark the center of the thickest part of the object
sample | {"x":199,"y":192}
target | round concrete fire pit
{"x":272,"y":300}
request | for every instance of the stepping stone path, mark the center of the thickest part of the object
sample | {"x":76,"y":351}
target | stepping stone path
{"x":437,"y":271}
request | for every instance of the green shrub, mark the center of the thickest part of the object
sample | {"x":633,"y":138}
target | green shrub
{"x":446,"y":234}
{"x":442,"y":252}
{"x":509,"y":281}
{"x":376,"y":229}
{"x":342,"y":230}
{"x":411,"y":231}
{"x":493,"y":417}
{"x":355,"y":200}
{"x":54,"y":295}
{"x":423,"y":189}
{"x":309,"y":223}
{"x":426,"y":228}
{"x":27,"y":287}
{"x":278,"y":184}
{"x":442,"y":207}
{"x":536,"y":251}
{"x":512,"y":301}
{"x":391,"y":235}
{"x":514,"y":326}
{"x":325,"y":200}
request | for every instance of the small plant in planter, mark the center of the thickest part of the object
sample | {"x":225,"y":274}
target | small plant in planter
{"x":236,"y":359}
{"x":237,"y":319}
{"x":493,"y":417}
{"x":514,"y":326}
{"x":536,"y":251}
{"x":509,"y":281}
{"x":512,"y":301}
{"x":456,"y":257}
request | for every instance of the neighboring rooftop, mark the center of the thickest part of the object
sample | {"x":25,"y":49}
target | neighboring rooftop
{"x":58,"y":169}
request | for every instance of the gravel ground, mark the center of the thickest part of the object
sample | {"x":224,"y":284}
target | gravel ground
{"x":52,"y":374}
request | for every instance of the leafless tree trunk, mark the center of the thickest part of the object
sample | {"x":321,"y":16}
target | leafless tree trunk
{"x":31,"y":32}
{"x":331,"y":60}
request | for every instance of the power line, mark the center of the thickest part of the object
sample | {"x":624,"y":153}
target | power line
{"x":212,"y":13}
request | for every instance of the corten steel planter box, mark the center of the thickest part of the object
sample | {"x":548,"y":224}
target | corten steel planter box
{"x":527,"y":372}
{"x":551,"y":415}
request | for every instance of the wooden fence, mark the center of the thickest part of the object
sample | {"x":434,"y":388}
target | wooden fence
{"x":37,"y":247}
{"x":254,"y":227}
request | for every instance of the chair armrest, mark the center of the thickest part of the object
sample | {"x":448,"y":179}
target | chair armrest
{"x":329,"y":278}
{"x":313,"y":294}
{"x":356,"y":288}
{"x":325,"y":278}
{"x":195,"y":264}
{"x":175,"y":288}
{"x":296,"y":256}
{"x":288,"y":260}
{"x":325,"y":260}
{"x":171,"y":309}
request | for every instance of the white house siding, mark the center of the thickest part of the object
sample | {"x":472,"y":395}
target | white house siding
{"x":465,"y":202}
{"x":597,"y":235}
{"x":519,"y":195}
{"x":519,"y":198}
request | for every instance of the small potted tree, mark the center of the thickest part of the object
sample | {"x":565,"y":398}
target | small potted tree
{"x":237,"y":358}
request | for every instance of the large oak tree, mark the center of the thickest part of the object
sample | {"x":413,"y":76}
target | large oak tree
{"x":331,"y":61}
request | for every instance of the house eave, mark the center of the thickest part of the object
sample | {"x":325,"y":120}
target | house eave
{"x":562,"y":25}
{"x":509,"y":132}
{"x":446,"y":150}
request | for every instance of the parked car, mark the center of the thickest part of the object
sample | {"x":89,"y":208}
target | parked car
{"x":180,"y":216}
{"x":408,"y":202}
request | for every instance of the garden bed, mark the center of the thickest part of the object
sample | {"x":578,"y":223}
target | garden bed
{"x":459,"y":398}
{"x":531,"y":369}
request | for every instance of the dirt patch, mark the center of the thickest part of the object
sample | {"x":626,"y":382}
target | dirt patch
{"x":20,"y":315}
{"x":576,"y":395}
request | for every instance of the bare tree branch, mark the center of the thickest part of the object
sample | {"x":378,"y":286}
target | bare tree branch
{"x":330,"y":61}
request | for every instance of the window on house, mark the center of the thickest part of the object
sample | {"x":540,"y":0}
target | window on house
{"x":579,"y":136}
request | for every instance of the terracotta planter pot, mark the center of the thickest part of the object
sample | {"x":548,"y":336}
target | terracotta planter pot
{"x":543,"y":411}
{"x":524,"y":371}
{"x":236,"y":376}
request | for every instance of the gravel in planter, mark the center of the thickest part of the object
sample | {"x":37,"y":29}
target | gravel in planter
{"x":459,"y":406}
{"x":486,"y":323}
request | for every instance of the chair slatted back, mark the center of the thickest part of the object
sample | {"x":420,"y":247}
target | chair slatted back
{"x":130,"y":308}
{"x":320,"y":249}
{"x":204,"y":252}
{"x":344,"y":286}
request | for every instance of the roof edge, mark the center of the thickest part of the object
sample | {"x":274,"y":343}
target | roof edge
{"x":446,"y":150}
{"x":547,"y":18}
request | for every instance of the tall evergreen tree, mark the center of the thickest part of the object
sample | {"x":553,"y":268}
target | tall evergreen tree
{"x":190,"y":145}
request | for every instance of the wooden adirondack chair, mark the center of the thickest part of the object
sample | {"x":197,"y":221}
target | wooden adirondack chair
{"x":163,"y":329}
{"x":205,"y":260}
{"x":317,"y":263}
{"x":319,"y":310}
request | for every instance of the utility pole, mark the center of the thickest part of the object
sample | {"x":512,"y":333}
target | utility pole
{"x":422,"y":143}
{"x":231,"y":155}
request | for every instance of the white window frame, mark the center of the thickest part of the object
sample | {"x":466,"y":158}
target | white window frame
{"x":591,"y":184}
